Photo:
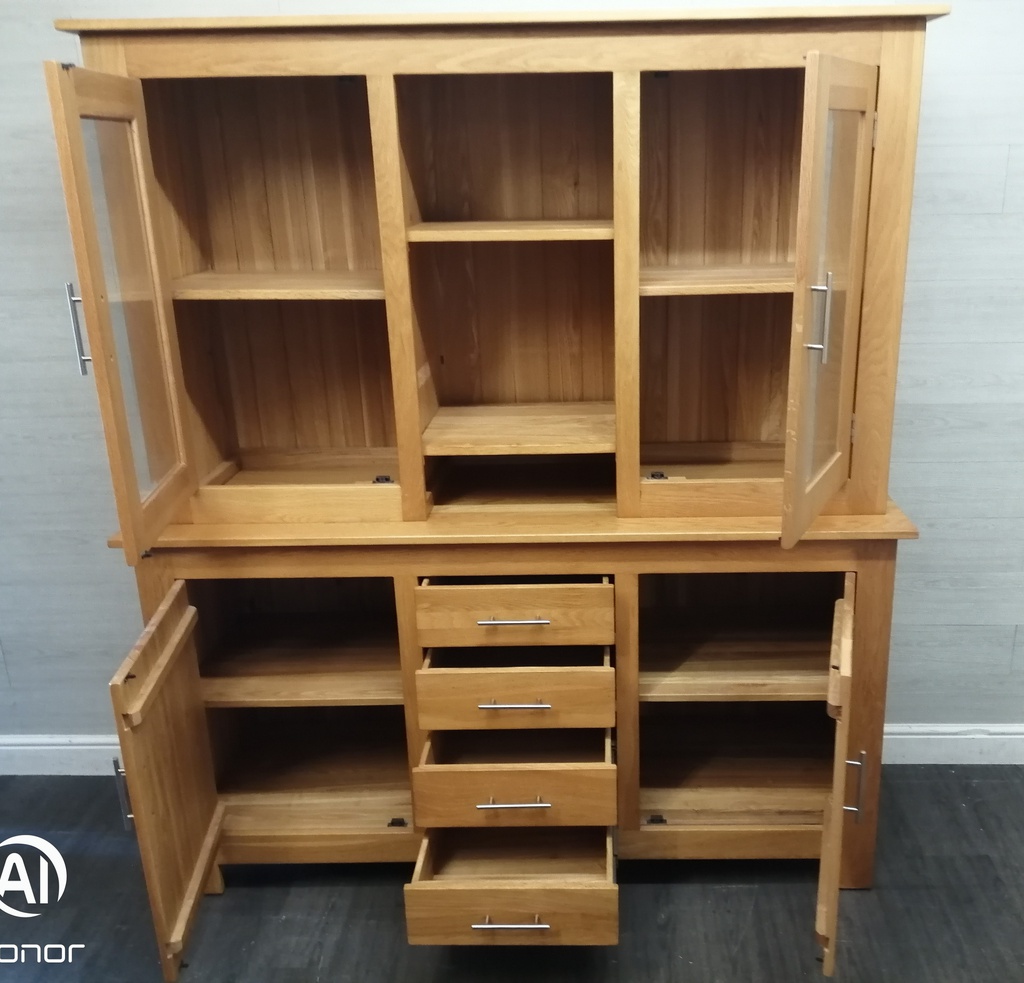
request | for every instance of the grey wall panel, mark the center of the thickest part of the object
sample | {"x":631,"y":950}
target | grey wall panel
{"x":67,"y":604}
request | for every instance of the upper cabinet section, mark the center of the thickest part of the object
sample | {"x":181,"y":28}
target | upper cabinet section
{"x":552,"y":267}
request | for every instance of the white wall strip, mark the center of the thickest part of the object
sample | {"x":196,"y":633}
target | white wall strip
{"x":953,"y":744}
{"x":57,"y":754}
{"x":959,"y":744}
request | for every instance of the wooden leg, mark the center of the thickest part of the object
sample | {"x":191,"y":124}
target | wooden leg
{"x":873,"y":621}
{"x":170,"y":965}
{"x":215,"y":882}
{"x":627,"y":740}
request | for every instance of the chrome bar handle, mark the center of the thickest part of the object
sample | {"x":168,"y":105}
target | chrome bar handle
{"x":539,"y":804}
{"x":76,"y":328}
{"x":826,"y":289}
{"x":514,"y":926}
{"x":859,"y":763}
{"x":122,"y":794}
{"x":526,"y":621}
{"x":493,"y":705}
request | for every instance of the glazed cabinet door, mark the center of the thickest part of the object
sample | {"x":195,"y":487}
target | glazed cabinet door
{"x":100,"y":125}
{"x":839,"y":690}
{"x":835,"y":171}
{"x":161,"y":724}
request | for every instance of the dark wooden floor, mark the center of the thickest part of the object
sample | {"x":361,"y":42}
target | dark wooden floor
{"x":948,"y":906}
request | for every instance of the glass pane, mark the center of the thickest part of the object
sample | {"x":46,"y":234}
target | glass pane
{"x":834,"y":258}
{"x":110,"y":157}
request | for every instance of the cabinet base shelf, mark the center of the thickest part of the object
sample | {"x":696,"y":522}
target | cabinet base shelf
{"x":345,"y":828}
{"x":797,"y":841}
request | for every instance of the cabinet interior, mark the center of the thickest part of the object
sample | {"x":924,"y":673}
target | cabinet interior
{"x":302,"y":642}
{"x":290,"y":392}
{"x":719,"y":170}
{"x":713,"y":384}
{"x":712,"y":764}
{"x":508,"y":147}
{"x":354,"y":754}
{"x":744,"y":636}
{"x":265,"y":176}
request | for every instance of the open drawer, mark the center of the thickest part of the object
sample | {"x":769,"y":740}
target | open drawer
{"x":514,"y":887}
{"x":515,"y":778}
{"x":526,"y":611}
{"x":515,"y":688}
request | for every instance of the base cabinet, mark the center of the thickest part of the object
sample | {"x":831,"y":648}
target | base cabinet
{"x":292,"y":720}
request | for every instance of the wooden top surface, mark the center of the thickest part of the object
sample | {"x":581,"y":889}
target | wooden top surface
{"x":497,"y":18}
{"x":495,"y":527}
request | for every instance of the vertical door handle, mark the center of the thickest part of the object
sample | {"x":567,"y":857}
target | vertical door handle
{"x":76,"y":328}
{"x":826,"y":319}
{"x":859,"y":763}
{"x":122,"y":794}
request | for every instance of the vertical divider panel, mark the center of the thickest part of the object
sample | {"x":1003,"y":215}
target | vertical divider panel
{"x":885,"y":264}
{"x":626,"y":218}
{"x":627,"y":696}
{"x":411,"y":655}
{"x":414,"y":392}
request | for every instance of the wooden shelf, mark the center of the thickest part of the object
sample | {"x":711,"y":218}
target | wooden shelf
{"x":521,"y":428}
{"x":733,"y":666}
{"x":290,"y":662}
{"x":512,"y":231}
{"x":676,"y":281}
{"x":302,"y":285}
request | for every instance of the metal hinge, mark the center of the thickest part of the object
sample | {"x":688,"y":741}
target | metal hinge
{"x":397,"y":821}
{"x":68,"y":65}
{"x":874,"y":131}
{"x":656,"y":820}
{"x":383,"y":479}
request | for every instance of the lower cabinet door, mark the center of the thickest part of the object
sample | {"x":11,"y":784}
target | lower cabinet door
{"x":514,"y":887}
{"x":161,"y":724}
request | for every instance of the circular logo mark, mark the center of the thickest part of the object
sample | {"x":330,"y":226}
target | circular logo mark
{"x":16,"y":880}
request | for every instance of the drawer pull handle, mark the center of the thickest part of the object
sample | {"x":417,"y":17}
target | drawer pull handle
{"x":539,"y":804}
{"x":534,"y":925}
{"x":491,"y":622}
{"x":494,"y":705}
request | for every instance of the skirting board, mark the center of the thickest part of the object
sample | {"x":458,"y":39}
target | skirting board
{"x":58,"y":754}
{"x":953,"y":744}
{"x":905,"y":744}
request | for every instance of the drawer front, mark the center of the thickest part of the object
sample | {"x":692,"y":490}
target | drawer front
{"x":520,"y":614}
{"x":451,"y":699}
{"x":445,"y":914}
{"x":507,"y":795}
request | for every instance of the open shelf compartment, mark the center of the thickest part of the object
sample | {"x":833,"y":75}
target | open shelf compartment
{"x":713,"y":386}
{"x":719,"y":170}
{"x":270,"y":182}
{"x":733,"y":637}
{"x":304,"y":785}
{"x":527,"y":154}
{"x":293,"y":409}
{"x":292,"y":643}
{"x":735,"y":764}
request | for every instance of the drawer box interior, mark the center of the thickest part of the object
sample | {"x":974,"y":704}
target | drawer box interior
{"x":519,"y":747}
{"x":517,"y":657}
{"x":546,"y":886}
